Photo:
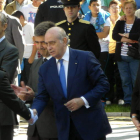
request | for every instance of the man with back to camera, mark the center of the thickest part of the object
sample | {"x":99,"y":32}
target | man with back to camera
{"x":75,"y":82}
{"x":82,"y":34}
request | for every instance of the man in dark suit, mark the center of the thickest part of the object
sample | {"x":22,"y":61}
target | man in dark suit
{"x":45,"y":127}
{"x":75,"y":82}
{"x":9,"y":62}
{"x":10,"y":100}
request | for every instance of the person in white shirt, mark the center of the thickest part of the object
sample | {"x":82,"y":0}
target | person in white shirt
{"x":28,"y":33}
{"x":30,"y":10}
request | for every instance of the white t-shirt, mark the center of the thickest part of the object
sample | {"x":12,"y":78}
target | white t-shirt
{"x":29,"y":12}
{"x":104,"y":42}
{"x":28,"y":33}
{"x":124,"y":48}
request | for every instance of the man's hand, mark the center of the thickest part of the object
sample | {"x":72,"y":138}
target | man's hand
{"x":34,"y":116}
{"x":25,"y":93}
{"x":123,"y":18}
{"x":74,"y":104}
{"x":136,"y":123}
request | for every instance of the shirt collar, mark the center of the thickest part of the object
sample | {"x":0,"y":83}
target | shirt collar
{"x":1,"y":39}
{"x":65,"y":56}
{"x":49,"y":57}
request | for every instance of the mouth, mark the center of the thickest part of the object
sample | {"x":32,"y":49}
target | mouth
{"x":51,"y":53}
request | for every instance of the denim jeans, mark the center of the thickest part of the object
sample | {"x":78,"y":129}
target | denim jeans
{"x":128,"y":68}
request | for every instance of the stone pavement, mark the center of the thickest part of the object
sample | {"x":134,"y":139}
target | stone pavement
{"x":123,"y":129}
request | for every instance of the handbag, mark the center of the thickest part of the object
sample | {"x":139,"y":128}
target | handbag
{"x":134,"y":50}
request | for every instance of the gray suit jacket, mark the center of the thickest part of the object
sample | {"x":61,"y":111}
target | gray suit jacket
{"x":9,"y":62}
{"x":14,"y":35}
{"x":45,"y":125}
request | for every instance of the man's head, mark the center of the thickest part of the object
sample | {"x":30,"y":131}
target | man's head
{"x":56,"y":42}
{"x":71,"y":8}
{"x":39,"y":36}
{"x":20,"y":16}
{"x":95,"y":6}
{"x":3,"y":24}
{"x":2,"y":4}
{"x":114,"y":8}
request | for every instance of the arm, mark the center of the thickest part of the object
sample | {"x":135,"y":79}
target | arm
{"x":105,"y":32}
{"x":31,"y":58}
{"x":18,"y":38}
{"x":99,"y":80}
{"x":93,"y":42}
{"x":9,"y":98}
{"x":42,"y":97}
{"x":10,"y":62}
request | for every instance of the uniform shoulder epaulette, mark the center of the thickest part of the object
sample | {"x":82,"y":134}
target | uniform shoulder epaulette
{"x":84,"y":21}
{"x":61,"y":22}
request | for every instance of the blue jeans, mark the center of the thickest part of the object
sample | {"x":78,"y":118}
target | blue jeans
{"x":128,"y":68}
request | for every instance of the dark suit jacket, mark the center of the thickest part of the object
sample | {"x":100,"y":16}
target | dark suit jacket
{"x":85,"y":78}
{"x":135,"y":103}
{"x":119,"y":28}
{"x":46,"y":125}
{"x":9,"y":62}
{"x":8,"y":99}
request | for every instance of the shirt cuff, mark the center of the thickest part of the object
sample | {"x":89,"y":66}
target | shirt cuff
{"x":86,"y":102}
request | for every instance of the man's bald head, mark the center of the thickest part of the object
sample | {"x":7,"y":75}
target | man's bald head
{"x":56,"y":42}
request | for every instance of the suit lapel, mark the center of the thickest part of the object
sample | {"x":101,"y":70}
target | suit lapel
{"x":73,"y":64}
{"x":54,"y":75}
{"x":2,"y":45}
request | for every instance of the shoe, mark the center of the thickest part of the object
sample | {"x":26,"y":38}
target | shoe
{"x":121,"y":102}
{"x":108,"y":102}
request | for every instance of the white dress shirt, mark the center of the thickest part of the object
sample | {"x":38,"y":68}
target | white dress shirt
{"x":1,"y":39}
{"x":66,"y":64}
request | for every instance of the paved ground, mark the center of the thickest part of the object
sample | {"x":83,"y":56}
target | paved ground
{"x":123,"y":129}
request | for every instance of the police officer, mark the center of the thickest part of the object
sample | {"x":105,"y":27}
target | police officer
{"x":82,"y":34}
{"x":50,"y":10}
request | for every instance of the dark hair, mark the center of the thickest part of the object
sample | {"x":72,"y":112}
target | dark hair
{"x":18,"y":14}
{"x":115,"y":2}
{"x":41,"y":28}
{"x":94,"y":1}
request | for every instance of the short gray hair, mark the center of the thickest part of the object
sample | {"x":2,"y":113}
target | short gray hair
{"x":3,"y":19}
{"x":62,"y":34}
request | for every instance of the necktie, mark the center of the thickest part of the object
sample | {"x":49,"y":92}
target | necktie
{"x":44,"y":60}
{"x":62,"y":77}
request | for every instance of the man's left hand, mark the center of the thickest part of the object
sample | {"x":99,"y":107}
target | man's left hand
{"x":74,"y":104}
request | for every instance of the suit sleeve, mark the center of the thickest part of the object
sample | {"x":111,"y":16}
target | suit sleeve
{"x":98,"y":79}
{"x":93,"y":42}
{"x":9,"y":98}
{"x":42,"y":97}
{"x":18,"y":38}
{"x":135,"y":96}
{"x":10,"y":62}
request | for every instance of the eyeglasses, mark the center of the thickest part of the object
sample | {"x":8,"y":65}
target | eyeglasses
{"x":51,"y":43}
{"x":114,"y":7}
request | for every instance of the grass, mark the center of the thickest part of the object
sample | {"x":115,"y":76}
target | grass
{"x":116,"y":108}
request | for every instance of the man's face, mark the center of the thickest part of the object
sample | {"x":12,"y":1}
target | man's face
{"x":95,"y":7}
{"x":39,"y":43}
{"x":114,"y":10}
{"x":2,"y":4}
{"x":55,"y":47}
{"x":71,"y":12}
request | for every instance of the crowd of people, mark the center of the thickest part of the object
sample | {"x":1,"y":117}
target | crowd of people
{"x":86,"y":49}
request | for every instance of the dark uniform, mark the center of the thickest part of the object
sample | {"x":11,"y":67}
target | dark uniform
{"x":82,"y":35}
{"x":51,"y":10}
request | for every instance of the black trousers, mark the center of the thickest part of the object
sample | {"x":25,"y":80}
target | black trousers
{"x":74,"y":135}
{"x":113,"y":76}
{"x":6,"y":132}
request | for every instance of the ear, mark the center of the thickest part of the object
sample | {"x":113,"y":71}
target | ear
{"x":89,"y":7}
{"x":4,"y":26}
{"x":65,"y":40}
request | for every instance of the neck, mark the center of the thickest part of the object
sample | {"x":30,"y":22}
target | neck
{"x":94,"y":14}
{"x":114,"y":17}
{"x":70,"y":20}
{"x":20,"y":1}
{"x":1,"y":35}
{"x":35,"y":5}
{"x":129,"y":18}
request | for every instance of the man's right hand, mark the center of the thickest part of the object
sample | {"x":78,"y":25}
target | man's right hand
{"x":136,"y":123}
{"x":25,"y":93}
